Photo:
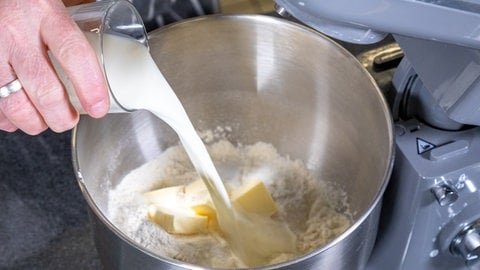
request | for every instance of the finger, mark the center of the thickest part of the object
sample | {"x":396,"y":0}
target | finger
{"x":78,"y":60}
{"x":12,"y":113}
{"x":18,"y":109}
{"x":43,"y":87}
{"x":5,"y":124}
{"x":23,"y":49}
{"x":6,"y":76}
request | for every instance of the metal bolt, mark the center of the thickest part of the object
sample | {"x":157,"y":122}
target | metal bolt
{"x":445,"y":194}
{"x":281,"y":10}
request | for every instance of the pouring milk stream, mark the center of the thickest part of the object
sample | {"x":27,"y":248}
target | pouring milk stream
{"x":137,"y":83}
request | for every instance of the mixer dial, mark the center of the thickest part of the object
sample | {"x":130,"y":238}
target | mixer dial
{"x":467,"y":243}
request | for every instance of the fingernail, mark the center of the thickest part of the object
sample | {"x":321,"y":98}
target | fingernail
{"x":99,"y":109}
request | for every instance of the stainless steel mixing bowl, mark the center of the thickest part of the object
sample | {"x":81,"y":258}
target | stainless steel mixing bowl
{"x":270,"y":80}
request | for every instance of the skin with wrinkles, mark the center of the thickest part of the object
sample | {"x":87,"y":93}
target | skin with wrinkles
{"x":28,"y":29}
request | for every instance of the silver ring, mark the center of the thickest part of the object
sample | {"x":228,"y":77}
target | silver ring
{"x":10,"y":88}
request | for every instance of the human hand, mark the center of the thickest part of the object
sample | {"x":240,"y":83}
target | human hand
{"x":28,"y":29}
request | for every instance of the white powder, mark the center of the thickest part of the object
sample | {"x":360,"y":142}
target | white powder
{"x":299,"y":197}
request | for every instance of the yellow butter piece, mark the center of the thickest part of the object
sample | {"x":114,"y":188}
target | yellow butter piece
{"x":254,"y":197}
{"x":178,"y":221}
{"x":204,"y":210}
{"x":181,"y":209}
{"x":165,"y":196}
{"x":196,"y":187}
{"x":199,"y":199}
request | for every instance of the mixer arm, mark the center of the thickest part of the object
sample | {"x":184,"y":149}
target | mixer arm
{"x":447,"y":93}
{"x":367,"y":21}
{"x":440,"y":40}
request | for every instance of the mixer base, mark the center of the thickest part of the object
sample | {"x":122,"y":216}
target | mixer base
{"x":433,"y":195}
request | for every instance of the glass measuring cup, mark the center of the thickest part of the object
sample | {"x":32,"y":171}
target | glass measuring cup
{"x":97,"y":19}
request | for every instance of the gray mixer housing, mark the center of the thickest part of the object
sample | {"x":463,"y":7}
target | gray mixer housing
{"x":432,"y":201}
{"x":431,"y":209}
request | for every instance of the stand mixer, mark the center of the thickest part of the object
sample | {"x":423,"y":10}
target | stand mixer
{"x":431,"y":210}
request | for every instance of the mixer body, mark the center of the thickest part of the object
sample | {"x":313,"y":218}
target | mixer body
{"x":431,"y":202}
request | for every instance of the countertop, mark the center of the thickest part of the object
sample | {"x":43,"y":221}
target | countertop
{"x":43,"y":220}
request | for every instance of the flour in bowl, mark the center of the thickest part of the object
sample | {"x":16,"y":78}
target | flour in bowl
{"x":302,"y":204}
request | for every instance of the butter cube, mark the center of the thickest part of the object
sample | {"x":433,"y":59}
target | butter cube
{"x":204,"y":209}
{"x":254,"y":197}
{"x":165,"y":196}
{"x":197,"y":186}
{"x":199,"y":199}
{"x":178,"y":221}
{"x":181,"y":209}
